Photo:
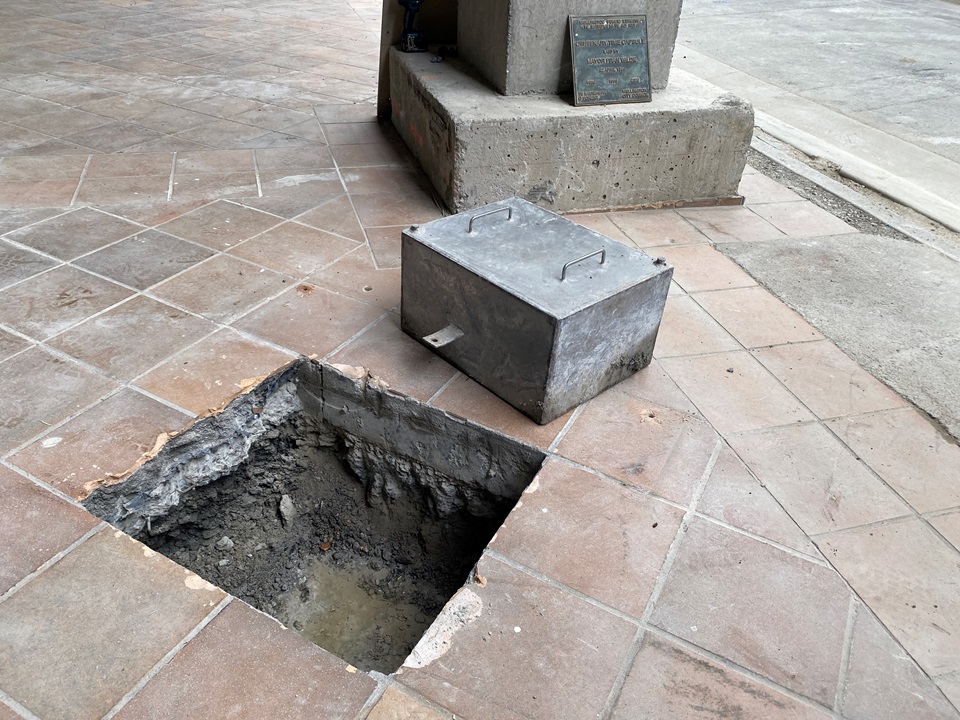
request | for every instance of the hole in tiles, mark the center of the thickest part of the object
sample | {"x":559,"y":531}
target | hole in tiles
{"x":347,"y":511}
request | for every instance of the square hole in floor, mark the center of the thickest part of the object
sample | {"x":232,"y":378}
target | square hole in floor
{"x":348,"y":512}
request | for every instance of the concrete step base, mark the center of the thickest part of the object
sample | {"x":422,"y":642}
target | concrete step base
{"x":687,"y":146}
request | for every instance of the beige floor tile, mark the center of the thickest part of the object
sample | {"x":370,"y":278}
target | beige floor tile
{"x":802,"y":219}
{"x":515,"y":618}
{"x":668,"y":681}
{"x":67,"y":667}
{"x":909,"y":453}
{"x":385,"y":245}
{"x":336,"y":216}
{"x":776,"y":614}
{"x":699,"y":267}
{"x":75,"y":233}
{"x":383,"y":178}
{"x":210,"y":373}
{"x":949,"y":526}
{"x":294,"y":249}
{"x":748,"y":398}
{"x":405,"y":365}
{"x":220,"y":225}
{"x":731,"y":224}
{"x":757,"y":189}
{"x":816,"y":478}
{"x":826,"y":380}
{"x":105,"y":191}
{"x":652,"y":228}
{"x":909,"y":577}
{"x":17,"y":264}
{"x":396,"y":208}
{"x":621,"y":537}
{"x":662,"y":450}
{"x":130,"y":165}
{"x":63,"y":167}
{"x":687,"y":329}
{"x":106,"y":439}
{"x":601,"y":223}
{"x":356,"y":276}
{"x":37,"y":193}
{"x":757,"y":318}
{"x":249,"y":666}
{"x":399,"y":705}
{"x":653,"y":385}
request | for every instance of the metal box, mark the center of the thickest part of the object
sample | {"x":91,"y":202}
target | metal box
{"x":538,"y":309}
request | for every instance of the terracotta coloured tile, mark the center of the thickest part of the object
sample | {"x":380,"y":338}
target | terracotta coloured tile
{"x":757,"y":188}
{"x":132,"y":165}
{"x":215,"y":161}
{"x":222,"y":289}
{"x":736,"y":497}
{"x":213,"y":371}
{"x":294,"y":249}
{"x":748,"y":398}
{"x":383,"y":178}
{"x":470,"y":400}
{"x":385,"y":244}
{"x":826,"y":380}
{"x":687,"y":329}
{"x":366,"y":154}
{"x":731,"y":224}
{"x":17,"y":264}
{"x":650,"y":228}
{"x":64,"y":665}
{"x":356,"y":275}
{"x":63,"y":167}
{"x":909,"y":453}
{"x":802,"y":219}
{"x":37,"y":193}
{"x":246,"y":665}
{"x":133,"y":337}
{"x":48,"y":304}
{"x":640,"y":443}
{"x":309,"y":320}
{"x":491,"y":669}
{"x":8,"y":714}
{"x":591,"y":534}
{"x":908,"y":576}
{"x":358,"y":133}
{"x":883,"y":681}
{"x":34,"y":526}
{"x":391,"y":355}
{"x":601,"y":223}
{"x":312,"y":182}
{"x":312,"y":158}
{"x":756,"y":318}
{"x":105,"y":191}
{"x":347,"y":112}
{"x":396,"y":208}
{"x":668,"y":681}
{"x":816,"y":478}
{"x":106,"y":439}
{"x":771,"y":612}
{"x":699,"y":267}
{"x":214,"y":185}
{"x":399,"y":705}
{"x":224,"y":134}
{"x":949,"y":526}
{"x":75,"y":233}
{"x":145,"y":259}
{"x":220,"y":225}
{"x":655,"y":386}
{"x":25,"y":412}
{"x":336,"y":216}
{"x":284,"y":204}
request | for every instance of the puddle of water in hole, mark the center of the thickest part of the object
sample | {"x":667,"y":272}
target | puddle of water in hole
{"x":366,"y":630}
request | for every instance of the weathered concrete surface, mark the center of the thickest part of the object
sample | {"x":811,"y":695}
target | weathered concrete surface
{"x":523,"y":46}
{"x":477,"y":147}
{"x":893,"y":305}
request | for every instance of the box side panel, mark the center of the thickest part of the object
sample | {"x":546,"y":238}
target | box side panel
{"x":505,"y":344}
{"x":605,"y":343}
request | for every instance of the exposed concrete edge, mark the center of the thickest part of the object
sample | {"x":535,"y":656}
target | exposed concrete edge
{"x":866,"y":173}
{"x":861,"y":202}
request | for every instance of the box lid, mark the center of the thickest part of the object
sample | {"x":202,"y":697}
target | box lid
{"x":530,"y":252}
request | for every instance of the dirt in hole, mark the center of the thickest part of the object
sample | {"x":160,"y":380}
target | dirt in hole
{"x":359,"y":567}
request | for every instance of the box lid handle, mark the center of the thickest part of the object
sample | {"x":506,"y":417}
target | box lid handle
{"x":603,"y":259}
{"x":508,"y":210}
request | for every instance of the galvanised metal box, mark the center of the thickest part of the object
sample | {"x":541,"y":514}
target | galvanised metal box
{"x":538,"y":309}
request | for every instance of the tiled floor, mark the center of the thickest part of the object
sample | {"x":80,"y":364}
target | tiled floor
{"x":193,"y":193}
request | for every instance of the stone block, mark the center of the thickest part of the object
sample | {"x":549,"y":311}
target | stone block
{"x":688,"y":145}
{"x":523,"y":46}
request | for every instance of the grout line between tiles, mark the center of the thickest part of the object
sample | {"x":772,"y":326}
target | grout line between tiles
{"x":840,"y":696}
{"x":53,"y":561}
{"x":360,"y":333}
{"x":152,"y":672}
{"x":665,"y":569}
{"x":457,"y":374}
{"x":83,"y":176}
{"x":567,"y":426}
{"x":22,"y":711}
{"x":173,"y":172}
{"x":256,"y":173}
{"x":766,"y":541}
{"x":383,"y":683}
{"x":46,"y":487}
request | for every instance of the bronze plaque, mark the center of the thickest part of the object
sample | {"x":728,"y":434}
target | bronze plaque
{"x":610,"y":59}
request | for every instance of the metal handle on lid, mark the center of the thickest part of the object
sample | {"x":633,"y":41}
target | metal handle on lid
{"x":508,"y":210}
{"x":601,"y":252}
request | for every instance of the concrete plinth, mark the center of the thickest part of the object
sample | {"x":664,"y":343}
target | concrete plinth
{"x":477,"y":147}
{"x":523,"y":46}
